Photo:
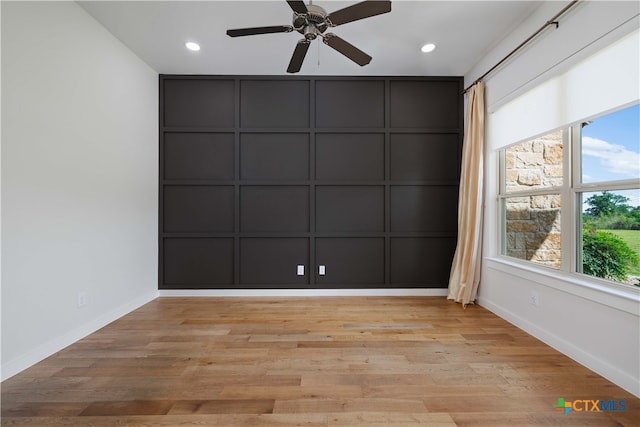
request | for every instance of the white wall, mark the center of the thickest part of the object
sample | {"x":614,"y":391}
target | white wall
{"x":79,"y":179}
{"x":595,"y":324}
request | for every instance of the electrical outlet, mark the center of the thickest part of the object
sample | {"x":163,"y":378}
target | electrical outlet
{"x":535,"y":298}
{"x":82,"y":299}
{"x":322,"y":270}
{"x":300,"y":270}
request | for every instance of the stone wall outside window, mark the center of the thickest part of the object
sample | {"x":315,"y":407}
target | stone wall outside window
{"x":533,"y":221}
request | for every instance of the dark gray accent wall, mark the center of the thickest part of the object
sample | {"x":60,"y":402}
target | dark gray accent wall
{"x":259,"y":175}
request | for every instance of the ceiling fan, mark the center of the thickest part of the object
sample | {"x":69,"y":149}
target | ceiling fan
{"x":312,"y":21}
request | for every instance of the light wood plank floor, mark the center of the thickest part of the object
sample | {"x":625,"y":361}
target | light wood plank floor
{"x":326,"y":361}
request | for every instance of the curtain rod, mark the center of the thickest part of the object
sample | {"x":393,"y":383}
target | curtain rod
{"x":552,"y":21}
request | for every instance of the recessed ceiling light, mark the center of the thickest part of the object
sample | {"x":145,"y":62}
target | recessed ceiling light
{"x":429,"y":47}
{"x":192,"y":46}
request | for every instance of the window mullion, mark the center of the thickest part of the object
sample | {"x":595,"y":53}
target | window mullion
{"x":570,"y":212}
{"x":538,"y":192}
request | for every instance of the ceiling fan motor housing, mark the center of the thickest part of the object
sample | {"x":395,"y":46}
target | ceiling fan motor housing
{"x":312,"y":23}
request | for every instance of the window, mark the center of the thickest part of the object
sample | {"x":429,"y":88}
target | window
{"x":571,"y":199}
{"x":608,"y":195}
{"x":532,"y":200}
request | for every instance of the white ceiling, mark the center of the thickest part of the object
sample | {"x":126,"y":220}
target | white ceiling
{"x":157,"y":30}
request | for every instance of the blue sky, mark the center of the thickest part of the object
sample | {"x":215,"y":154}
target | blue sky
{"x":611,"y":149}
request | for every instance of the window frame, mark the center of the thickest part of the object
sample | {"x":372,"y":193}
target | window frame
{"x":571,"y":193}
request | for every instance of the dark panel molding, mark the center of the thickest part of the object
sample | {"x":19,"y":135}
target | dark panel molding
{"x":262,"y":174}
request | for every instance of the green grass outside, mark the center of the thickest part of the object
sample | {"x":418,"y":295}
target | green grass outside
{"x":631,"y":238}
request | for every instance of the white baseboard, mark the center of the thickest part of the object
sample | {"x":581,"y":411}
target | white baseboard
{"x":606,"y":370}
{"x":301,"y":292}
{"x":40,"y":353}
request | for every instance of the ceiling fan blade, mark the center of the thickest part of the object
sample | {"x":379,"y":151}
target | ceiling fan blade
{"x":357,"y":11}
{"x":298,"y":56}
{"x":259,"y":30}
{"x":347,"y":49}
{"x":298,"y":6}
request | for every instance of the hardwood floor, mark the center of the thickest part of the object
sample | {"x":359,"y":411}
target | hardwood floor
{"x":322,"y":361}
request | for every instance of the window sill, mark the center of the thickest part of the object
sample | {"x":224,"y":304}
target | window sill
{"x":618,"y":296}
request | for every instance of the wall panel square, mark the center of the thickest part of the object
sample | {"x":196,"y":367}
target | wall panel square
{"x":425,"y":157}
{"x":349,"y":156}
{"x":274,"y":103}
{"x":349,"y":103}
{"x":274,"y":209}
{"x":421,"y":208}
{"x":350,"y":261}
{"x":273,"y":262}
{"x":350,"y":208}
{"x":198,"y":156}
{"x":425,"y":104}
{"x":423,"y":261}
{"x":199,"y":103}
{"x":198,"y":208}
{"x":274,"y":156}
{"x":197,"y":262}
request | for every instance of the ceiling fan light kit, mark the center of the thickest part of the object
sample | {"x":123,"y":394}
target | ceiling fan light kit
{"x":312,"y":21}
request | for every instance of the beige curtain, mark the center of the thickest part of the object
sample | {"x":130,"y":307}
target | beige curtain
{"x":465,"y":270}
